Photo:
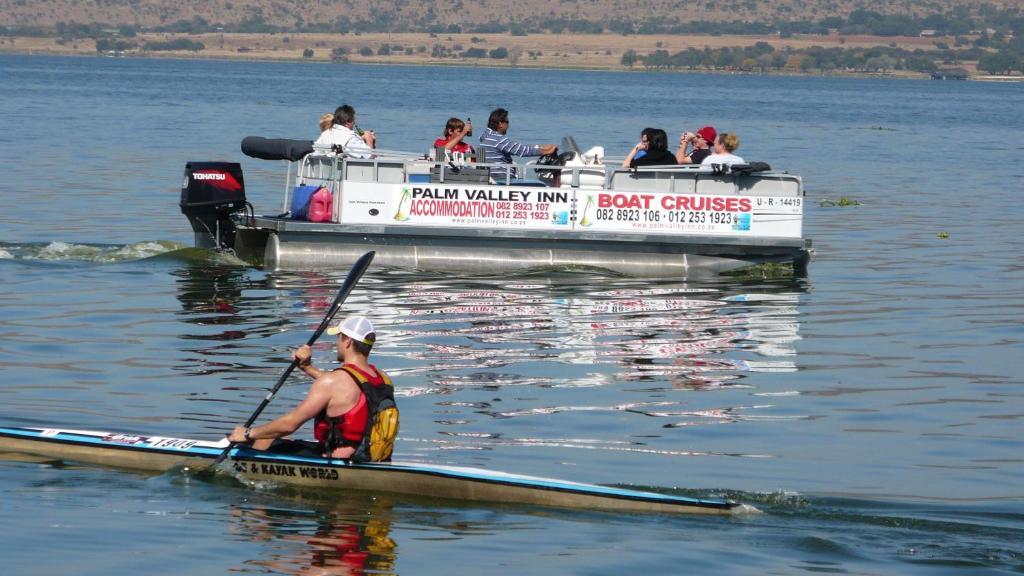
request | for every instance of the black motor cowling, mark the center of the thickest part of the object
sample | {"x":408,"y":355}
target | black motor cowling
{"x":276,"y":148}
{"x":210,"y":193}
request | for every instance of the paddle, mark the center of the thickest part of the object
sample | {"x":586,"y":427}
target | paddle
{"x":346,"y":288}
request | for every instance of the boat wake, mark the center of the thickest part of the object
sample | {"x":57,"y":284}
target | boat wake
{"x":157,"y":250}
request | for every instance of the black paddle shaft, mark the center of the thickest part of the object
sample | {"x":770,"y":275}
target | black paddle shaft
{"x":346,"y":288}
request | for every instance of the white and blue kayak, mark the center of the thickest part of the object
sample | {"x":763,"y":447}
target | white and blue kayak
{"x":159,"y":454}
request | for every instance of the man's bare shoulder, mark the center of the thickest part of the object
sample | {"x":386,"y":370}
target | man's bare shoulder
{"x":336,"y":378}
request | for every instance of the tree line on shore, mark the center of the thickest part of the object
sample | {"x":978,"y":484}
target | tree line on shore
{"x":763,"y":57}
{"x":958,"y":21}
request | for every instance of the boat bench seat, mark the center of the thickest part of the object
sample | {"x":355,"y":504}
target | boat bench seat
{"x":322,"y":169}
{"x":701,"y":182}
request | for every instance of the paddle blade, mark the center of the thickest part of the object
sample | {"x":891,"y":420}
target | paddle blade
{"x":358,"y":268}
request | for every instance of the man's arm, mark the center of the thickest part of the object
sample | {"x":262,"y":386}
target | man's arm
{"x":356,"y":147}
{"x":315,"y":401}
{"x":516,"y":148}
{"x":681,"y":156}
{"x":459,"y":136}
{"x":628,"y":162}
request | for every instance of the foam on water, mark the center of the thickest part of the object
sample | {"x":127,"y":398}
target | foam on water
{"x":80,"y":252}
{"x":60,"y":251}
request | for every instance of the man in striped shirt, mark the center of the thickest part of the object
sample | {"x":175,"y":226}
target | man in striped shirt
{"x":498,"y":148}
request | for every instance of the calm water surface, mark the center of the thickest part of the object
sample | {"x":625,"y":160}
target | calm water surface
{"x":873,"y":410}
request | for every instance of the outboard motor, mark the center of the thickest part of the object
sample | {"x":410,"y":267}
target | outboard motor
{"x":211,"y":192}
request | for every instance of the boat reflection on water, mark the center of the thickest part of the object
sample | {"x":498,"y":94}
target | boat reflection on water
{"x":697,"y":337}
{"x":581,"y":345}
{"x":705,"y":340}
{"x":694,"y":335}
{"x":455,"y":336}
{"x":349,"y":540}
{"x":210,"y":295}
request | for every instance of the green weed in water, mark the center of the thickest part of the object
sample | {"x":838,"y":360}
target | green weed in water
{"x":764,"y":271}
{"x":842,"y":202}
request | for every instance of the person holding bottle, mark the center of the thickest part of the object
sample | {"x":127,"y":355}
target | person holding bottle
{"x":345,"y":135}
{"x":455,"y":133}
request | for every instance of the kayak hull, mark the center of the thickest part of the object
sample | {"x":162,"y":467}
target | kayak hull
{"x":159,"y":454}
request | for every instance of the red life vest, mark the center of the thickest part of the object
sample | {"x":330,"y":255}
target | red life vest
{"x":349,"y":428}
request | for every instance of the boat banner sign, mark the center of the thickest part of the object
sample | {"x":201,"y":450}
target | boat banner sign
{"x":457,"y":205}
{"x":677,"y":213}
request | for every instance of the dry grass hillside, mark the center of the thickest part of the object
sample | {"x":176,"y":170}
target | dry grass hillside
{"x":911,"y":38}
{"x":408,"y":15}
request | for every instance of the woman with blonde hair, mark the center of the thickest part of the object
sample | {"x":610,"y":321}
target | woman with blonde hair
{"x":725,"y":145}
{"x":325,"y":121}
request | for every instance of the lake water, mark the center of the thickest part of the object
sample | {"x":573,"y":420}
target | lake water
{"x":874,"y":410}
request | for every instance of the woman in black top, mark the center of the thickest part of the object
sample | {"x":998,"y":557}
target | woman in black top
{"x":657,"y":151}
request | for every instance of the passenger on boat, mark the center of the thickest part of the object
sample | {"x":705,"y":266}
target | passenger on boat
{"x":498,"y":148}
{"x":325,"y":122}
{"x":640,"y":150}
{"x":657,"y":151}
{"x":455,"y":132}
{"x":343,"y":133}
{"x":725,"y":145}
{"x":337,"y":401}
{"x":700,"y":142}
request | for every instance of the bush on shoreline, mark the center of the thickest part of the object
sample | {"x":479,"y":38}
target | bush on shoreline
{"x":176,"y":44}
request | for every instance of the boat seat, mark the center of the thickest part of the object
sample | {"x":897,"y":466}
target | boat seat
{"x":653,"y":181}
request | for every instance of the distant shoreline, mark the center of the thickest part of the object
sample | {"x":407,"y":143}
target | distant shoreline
{"x":466,"y":63}
{"x":594,"y":52}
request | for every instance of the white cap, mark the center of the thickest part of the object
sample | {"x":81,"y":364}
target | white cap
{"x":357,"y":328}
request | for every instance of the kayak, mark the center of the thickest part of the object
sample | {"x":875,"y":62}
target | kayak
{"x":159,"y":454}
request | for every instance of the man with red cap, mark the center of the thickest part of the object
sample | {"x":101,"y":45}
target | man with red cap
{"x":700,"y":143}
{"x":341,"y":402}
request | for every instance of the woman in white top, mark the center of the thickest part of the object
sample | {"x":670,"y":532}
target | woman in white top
{"x":343,"y":134}
{"x":725,"y":145}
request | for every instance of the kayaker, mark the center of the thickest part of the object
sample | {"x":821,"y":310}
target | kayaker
{"x":343,"y":403}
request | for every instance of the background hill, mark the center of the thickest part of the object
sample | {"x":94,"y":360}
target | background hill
{"x":880,"y":17}
{"x":904,"y":37}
